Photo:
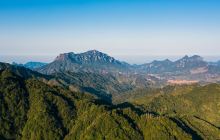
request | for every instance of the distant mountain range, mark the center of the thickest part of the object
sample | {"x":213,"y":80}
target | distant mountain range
{"x":186,"y":68}
{"x":95,"y":60}
{"x":93,"y":96}
{"x":184,"y":64}
{"x":98,"y":62}
{"x":106,"y":78}
{"x":31,"y":65}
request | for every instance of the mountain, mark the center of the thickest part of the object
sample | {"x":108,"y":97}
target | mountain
{"x":102,"y":86}
{"x":182,"y":65}
{"x":22,"y":71}
{"x":30,"y":109}
{"x":34,"y":65}
{"x":33,"y":109}
{"x":214,"y":67}
{"x":193,"y":107}
{"x":90,"y":61}
{"x":157,"y":66}
{"x":188,"y":63}
{"x":157,"y":73}
{"x":31,"y":65}
{"x":89,"y":57}
{"x":93,"y":61}
{"x":186,"y":69}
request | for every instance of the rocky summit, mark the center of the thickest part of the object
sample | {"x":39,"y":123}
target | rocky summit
{"x":89,"y":61}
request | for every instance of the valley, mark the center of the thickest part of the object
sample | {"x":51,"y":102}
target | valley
{"x":93,"y":96}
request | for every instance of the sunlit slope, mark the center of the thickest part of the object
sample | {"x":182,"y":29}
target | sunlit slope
{"x":194,"y":108}
{"x":31,"y":109}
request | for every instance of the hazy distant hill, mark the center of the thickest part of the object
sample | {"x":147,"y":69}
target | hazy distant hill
{"x":31,"y":65}
{"x":182,"y":65}
{"x":192,"y":68}
{"x":187,"y":68}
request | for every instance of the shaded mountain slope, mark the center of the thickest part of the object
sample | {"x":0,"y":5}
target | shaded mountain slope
{"x":103,"y":86}
{"x":31,"y":109}
{"x":22,"y":71}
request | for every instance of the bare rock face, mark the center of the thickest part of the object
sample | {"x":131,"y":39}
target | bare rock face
{"x":90,"y":61}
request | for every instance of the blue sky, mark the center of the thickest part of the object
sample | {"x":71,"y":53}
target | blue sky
{"x":121,"y":28}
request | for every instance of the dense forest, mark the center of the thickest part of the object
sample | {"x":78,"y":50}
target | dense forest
{"x":32,"y":108}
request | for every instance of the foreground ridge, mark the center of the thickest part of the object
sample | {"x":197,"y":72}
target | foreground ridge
{"x":33,"y":108}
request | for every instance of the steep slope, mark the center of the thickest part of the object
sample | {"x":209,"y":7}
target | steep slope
{"x":192,"y":68}
{"x":194,"y":108}
{"x":90,"y":61}
{"x":22,"y":71}
{"x":103,"y":86}
{"x":31,"y":109}
{"x":34,"y":65}
{"x":37,"y":106}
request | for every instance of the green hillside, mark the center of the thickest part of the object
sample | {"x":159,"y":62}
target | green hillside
{"x":33,"y":110}
{"x":192,"y":107}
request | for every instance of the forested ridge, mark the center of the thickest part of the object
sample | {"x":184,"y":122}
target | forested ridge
{"x":30,"y":108}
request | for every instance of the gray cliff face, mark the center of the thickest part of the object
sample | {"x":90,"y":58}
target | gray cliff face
{"x":90,"y":61}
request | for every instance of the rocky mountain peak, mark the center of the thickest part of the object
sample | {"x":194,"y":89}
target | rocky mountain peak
{"x":197,"y":57}
{"x":64,"y":56}
{"x":190,"y":62}
{"x":90,"y":61}
{"x":94,"y":56}
{"x":192,"y":58}
{"x":167,"y":60}
{"x":185,"y":57}
{"x":93,"y":52}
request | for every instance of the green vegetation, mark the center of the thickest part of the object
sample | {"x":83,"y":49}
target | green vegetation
{"x":102,"y":86}
{"x":193,"y":108}
{"x":32,"y":109}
